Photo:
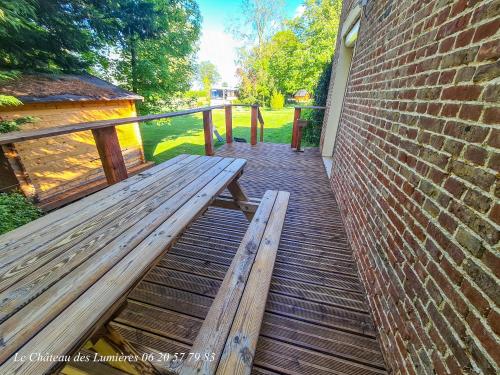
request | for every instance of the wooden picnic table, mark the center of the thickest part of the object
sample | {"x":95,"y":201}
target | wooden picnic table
{"x":64,"y":275}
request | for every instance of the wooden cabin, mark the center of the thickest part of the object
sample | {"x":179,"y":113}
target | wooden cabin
{"x":56,"y":170}
{"x":301,"y":96}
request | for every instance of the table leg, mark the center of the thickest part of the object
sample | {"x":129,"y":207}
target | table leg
{"x":239,"y":195}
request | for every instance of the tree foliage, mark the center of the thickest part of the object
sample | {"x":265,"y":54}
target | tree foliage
{"x":208,"y":76}
{"x":154,"y":47}
{"x":146,"y":46}
{"x":292,"y":57}
{"x":51,"y":35}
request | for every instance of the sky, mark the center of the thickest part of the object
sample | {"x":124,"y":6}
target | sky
{"x":217,"y":44}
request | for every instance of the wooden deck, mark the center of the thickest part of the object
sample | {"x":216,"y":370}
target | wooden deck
{"x":316,"y":321}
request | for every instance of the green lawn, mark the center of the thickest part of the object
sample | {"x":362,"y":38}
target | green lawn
{"x":184,"y":135}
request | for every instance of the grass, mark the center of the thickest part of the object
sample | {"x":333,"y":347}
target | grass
{"x":16,"y":210}
{"x":165,"y":139}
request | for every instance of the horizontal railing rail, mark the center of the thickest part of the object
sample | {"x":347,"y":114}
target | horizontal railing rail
{"x":21,"y":136}
{"x":106,"y":137}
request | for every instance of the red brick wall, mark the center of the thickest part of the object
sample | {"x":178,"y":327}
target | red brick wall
{"x":416,"y":173}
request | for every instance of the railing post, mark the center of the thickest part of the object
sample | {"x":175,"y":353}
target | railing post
{"x":208,"y":130}
{"x":108,"y":146}
{"x":261,"y":121}
{"x":301,"y":124}
{"x":253,"y":125}
{"x":229,"y":123}
{"x":296,"y":117}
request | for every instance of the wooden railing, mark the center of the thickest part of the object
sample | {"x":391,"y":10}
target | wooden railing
{"x":106,"y":137}
{"x":296,"y":130}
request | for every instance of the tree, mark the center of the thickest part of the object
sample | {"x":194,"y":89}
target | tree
{"x":51,"y":35}
{"x":262,"y":19}
{"x":156,"y":42}
{"x":208,"y":75}
{"x":317,"y":31}
{"x":285,"y":62}
{"x":146,"y":46}
{"x":290,"y":58}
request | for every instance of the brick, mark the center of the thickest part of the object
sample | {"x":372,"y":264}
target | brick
{"x":491,"y":116}
{"x":477,"y":200}
{"x":491,"y":259}
{"x":472,"y":174}
{"x":465,"y":74}
{"x":486,"y":30}
{"x":483,"y":280}
{"x":465,"y":92}
{"x":494,"y":138}
{"x":464,"y":38}
{"x":487,"y":72}
{"x":494,"y":161}
{"x":492,"y":93}
{"x":446,"y":76}
{"x":455,"y":187}
{"x":461,"y":57}
{"x":466,"y":132}
{"x":494,"y":321}
{"x":447,"y":222}
{"x":470,"y":241}
{"x":416,"y":178}
{"x":486,"y":339}
{"x":476,"y":154}
{"x":476,"y":222}
{"x":475,"y":297}
{"x":495,"y":213}
{"x":489,"y":51}
{"x":470,"y":112}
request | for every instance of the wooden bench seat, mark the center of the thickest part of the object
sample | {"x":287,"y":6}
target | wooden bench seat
{"x":231,"y":328}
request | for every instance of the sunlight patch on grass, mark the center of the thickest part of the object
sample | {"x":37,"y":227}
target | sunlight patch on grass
{"x":166,"y":139}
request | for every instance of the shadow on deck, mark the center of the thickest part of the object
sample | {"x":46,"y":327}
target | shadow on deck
{"x":316,"y":320}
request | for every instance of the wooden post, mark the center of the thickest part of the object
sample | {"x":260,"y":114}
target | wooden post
{"x":13,"y":174}
{"x":229,"y":123}
{"x":261,"y":121}
{"x":108,"y":146}
{"x":296,"y":117}
{"x":208,"y":130}
{"x":253,"y":125}
{"x":301,"y":124}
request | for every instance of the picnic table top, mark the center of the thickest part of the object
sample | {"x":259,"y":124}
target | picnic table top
{"x":63,"y":275}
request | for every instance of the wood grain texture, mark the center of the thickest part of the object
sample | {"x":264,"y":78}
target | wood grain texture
{"x":239,"y":351}
{"x":296,"y":117}
{"x":228,"y":113}
{"x":214,"y":331}
{"x":316,"y":308}
{"x":61,"y":316}
{"x":17,"y":235}
{"x":64,"y":162}
{"x":108,"y":147}
{"x":253,"y":125}
{"x":22,"y":136}
{"x":208,"y":130}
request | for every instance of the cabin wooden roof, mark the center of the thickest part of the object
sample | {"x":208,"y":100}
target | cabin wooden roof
{"x":43,"y":88}
{"x":301,"y":92}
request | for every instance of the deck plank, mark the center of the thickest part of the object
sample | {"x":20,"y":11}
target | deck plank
{"x":316,"y":319}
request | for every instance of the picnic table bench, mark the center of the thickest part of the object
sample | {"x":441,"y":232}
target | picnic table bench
{"x":63,"y":276}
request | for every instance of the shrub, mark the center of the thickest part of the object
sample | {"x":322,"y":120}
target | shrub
{"x":16,"y":210}
{"x":312,"y":133}
{"x":277,"y":101}
{"x":14,"y":125}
